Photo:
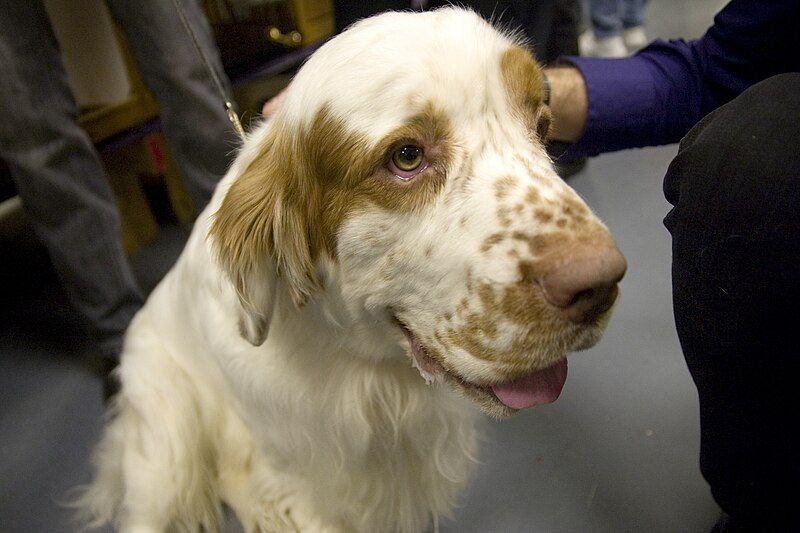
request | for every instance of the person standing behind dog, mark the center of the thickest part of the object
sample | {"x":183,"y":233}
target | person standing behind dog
{"x":56,"y":169}
{"x":734,"y":97}
{"x":617,"y":28}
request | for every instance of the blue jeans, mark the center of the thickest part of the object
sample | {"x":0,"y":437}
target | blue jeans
{"x":609,"y":17}
{"x":56,"y":169}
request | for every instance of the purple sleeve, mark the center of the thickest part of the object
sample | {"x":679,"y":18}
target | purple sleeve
{"x":656,"y":96}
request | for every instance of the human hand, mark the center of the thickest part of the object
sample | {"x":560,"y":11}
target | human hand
{"x":272,"y":105}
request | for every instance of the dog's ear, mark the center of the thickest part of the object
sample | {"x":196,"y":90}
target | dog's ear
{"x":261,"y":234}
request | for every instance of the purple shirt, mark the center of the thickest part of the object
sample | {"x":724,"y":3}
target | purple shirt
{"x":657,"y":95}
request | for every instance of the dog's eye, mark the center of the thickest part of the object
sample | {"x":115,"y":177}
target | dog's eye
{"x":407,"y":161}
{"x":408,"y":158}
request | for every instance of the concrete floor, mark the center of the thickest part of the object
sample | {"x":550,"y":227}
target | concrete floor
{"x":618,"y":451}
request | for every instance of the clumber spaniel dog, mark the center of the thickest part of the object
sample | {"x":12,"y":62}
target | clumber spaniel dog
{"x":389,"y":251}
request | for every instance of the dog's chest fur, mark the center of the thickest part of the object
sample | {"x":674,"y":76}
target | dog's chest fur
{"x":372,"y":447}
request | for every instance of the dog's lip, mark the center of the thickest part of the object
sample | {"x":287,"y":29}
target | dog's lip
{"x":539,"y":387}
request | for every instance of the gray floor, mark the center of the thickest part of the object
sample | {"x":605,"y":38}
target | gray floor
{"x":617,"y":452}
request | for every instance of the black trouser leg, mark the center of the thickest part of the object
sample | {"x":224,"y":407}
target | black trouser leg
{"x":735,"y":185}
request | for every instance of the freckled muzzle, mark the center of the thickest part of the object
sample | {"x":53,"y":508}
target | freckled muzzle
{"x":504,"y":345}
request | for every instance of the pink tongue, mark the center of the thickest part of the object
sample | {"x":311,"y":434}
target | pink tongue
{"x":543,"y":386}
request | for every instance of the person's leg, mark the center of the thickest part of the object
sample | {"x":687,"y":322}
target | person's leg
{"x":735,"y":187}
{"x":605,"y":18}
{"x":192,"y":112}
{"x":633,"y":13}
{"x":605,"y":38}
{"x":59,"y":176}
{"x":633,"y":24}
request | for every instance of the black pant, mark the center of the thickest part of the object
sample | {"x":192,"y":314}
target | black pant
{"x":735,"y":187}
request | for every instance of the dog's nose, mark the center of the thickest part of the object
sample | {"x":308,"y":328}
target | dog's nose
{"x":585,"y":286}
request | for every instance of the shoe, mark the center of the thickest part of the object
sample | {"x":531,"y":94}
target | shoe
{"x":612,"y":46}
{"x":635,"y":38}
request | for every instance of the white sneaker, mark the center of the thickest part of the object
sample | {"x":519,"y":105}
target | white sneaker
{"x":591,"y":46}
{"x":635,"y":38}
{"x":586,"y":43}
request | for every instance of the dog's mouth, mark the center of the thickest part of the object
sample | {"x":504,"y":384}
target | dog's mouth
{"x":539,"y":387}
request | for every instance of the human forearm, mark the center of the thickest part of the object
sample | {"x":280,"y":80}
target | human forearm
{"x":568,"y":103}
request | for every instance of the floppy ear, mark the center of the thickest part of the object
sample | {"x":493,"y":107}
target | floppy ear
{"x":261,"y":234}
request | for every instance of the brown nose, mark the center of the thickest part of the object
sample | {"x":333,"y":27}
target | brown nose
{"x":585,"y":286}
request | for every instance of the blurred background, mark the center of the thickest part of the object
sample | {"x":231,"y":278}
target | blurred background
{"x":617,"y":452}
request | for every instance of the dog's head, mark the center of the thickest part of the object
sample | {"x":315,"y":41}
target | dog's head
{"x":406,"y":173}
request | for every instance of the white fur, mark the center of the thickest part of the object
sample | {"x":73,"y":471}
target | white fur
{"x":327,"y":426}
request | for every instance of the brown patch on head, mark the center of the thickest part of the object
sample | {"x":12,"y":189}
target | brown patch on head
{"x":290,"y":202}
{"x":525,"y":85}
{"x":353,"y":171}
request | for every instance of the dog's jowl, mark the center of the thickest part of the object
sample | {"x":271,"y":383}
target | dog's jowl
{"x":390,"y":255}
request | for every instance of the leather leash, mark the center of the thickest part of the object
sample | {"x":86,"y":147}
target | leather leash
{"x":232,"y":116}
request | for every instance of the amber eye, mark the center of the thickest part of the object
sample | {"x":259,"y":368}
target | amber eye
{"x":408,"y":157}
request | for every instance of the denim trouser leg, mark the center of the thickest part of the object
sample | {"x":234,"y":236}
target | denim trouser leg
{"x":633,"y":13}
{"x":59,"y":176}
{"x":605,"y":15}
{"x":192,"y":112}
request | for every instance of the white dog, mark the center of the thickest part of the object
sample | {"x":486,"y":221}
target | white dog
{"x":391,"y":249}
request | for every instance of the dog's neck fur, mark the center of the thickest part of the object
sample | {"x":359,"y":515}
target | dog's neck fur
{"x":377,"y":419}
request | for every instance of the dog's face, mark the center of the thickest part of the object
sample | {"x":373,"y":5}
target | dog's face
{"x":407,"y":168}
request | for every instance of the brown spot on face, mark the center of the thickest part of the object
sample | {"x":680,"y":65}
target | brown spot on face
{"x":561,"y":222}
{"x":504,"y":216}
{"x":538,"y":244}
{"x":491,"y":241}
{"x":428,"y":251}
{"x":503,"y":186}
{"x":543,"y":215}
{"x":532,"y":196}
{"x":518,"y":209}
{"x":524,"y":83}
{"x":573,"y":206}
